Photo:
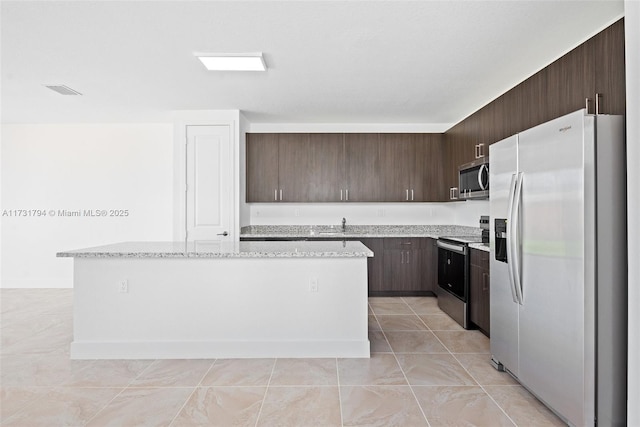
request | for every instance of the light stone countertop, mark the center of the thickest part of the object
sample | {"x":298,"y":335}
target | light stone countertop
{"x":480,"y":246}
{"x":211,"y":249}
{"x":355,"y":231}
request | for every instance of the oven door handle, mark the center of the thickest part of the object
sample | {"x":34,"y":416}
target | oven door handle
{"x":452,"y":247}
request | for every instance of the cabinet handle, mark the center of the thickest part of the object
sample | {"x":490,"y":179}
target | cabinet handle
{"x":412,"y":194}
{"x":452,"y":193}
{"x":275,"y":194}
{"x":401,"y":257}
{"x":481,"y":148}
{"x":485,"y":286}
{"x":598,"y":95}
{"x":405,"y":243}
{"x":341,"y":194}
{"x":476,"y":152}
{"x":407,"y":195}
{"x":408,"y":258}
{"x":586,"y":104}
{"x":347,"y":194}
{"x":281,"y":194}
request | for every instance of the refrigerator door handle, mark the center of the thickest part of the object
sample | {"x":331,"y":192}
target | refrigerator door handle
{"x":515,"y":240}
{"x":510,"y":254}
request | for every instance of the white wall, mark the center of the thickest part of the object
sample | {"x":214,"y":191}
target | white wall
{"x":459,"y":213}
{"x":77,"y":167}
{"x":632,"y":39}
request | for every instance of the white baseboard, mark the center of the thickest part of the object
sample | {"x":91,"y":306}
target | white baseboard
{"x":42,"y":282}
{"x":219,"y":349}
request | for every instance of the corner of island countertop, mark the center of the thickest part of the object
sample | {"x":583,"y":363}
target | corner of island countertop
{"x":216,"y":249}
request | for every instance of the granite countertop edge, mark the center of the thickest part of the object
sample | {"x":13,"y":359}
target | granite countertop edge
{"x":480,"y":246}
{"x":358,"y":231}
{"x":225,"y":251}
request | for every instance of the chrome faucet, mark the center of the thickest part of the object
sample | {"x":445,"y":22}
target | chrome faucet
{"x":344,"y":225}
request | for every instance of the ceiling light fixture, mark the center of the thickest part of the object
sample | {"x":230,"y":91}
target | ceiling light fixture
{"x":232,"y":61}
{"x":63,"y":90}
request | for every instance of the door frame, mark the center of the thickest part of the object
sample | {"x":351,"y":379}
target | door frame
{"x":182,"y":120}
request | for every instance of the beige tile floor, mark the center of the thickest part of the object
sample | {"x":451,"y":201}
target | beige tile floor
{"x":424,"y":370}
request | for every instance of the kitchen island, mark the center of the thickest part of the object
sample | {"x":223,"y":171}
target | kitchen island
{"x":154,"y":300}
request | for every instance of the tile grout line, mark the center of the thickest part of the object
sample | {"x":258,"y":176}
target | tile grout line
{"x":266,"y":389}
{"x":120,"y":392}
{"x":485,"y":391}
{"x":192,"y":392}
{"x":466,"y":370}
{"x":402,"y":369}
{"x":339,"y":392}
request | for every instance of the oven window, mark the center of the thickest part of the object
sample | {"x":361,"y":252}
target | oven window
{"x":451,"y":272}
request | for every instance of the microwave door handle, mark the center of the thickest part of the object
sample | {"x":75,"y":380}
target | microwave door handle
{"x":481,"y":182}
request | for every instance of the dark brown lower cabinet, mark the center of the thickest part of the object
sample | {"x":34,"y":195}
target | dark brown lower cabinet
{"x":375,"y":265}
{"x":429,"y":264}
{"x":479,"y":298}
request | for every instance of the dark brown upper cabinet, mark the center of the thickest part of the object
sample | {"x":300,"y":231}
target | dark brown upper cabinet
{"x":397,"y":153}
{"x":610,"y":69}
{"x":362,"y":167}
{"x":262,"y":167}
{"x":326,"y":167}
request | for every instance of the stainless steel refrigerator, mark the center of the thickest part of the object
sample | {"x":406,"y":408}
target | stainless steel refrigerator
{"x":559,"y":264}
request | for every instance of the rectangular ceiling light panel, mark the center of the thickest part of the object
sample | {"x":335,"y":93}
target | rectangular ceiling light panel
{"x":232,"y":61}
{"x":63,"y":90}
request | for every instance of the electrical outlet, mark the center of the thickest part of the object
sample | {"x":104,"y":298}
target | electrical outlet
{"x":123,"y":286}
{"x":313,"y":284}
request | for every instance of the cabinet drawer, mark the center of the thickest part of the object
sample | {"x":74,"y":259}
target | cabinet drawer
{"x":480,"y":258}
{"x":402,"y":243}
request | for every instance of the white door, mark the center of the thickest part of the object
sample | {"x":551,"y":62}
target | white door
{"x":209,"y":193}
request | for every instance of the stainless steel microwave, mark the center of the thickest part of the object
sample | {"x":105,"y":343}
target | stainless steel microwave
{"x":474,"y":179}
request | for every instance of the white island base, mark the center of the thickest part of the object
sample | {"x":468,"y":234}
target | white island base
{"x":220,"y":307}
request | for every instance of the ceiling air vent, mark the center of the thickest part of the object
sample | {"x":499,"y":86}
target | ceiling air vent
{"x":63,"y":90}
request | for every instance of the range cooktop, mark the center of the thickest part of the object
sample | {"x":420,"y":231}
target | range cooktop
{"x":463,"y":239}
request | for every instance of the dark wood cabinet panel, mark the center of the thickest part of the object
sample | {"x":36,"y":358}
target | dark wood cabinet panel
{"x":427,"y":179}
{"x":326,"y":167}
{"x":375,"y":265}
{"x":262,"y":167}
{"x":479,"y":290}
{"x":610,"y":69}
{"x":402,"y":266}
{"x":397,"y":153}
{"x":362,"y":167}
{"x":569,"y":82}
{"x":429,"y":264}
{"x":294,"y":167}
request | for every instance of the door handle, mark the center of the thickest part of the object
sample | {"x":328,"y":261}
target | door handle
{"x":223,"y":234}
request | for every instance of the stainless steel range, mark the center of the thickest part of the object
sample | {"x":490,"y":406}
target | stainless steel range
{"x":453,"y":276}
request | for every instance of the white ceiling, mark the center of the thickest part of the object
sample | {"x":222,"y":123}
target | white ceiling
{"x":431,"y":62}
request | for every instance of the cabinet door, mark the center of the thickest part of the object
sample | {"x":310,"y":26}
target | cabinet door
{"x":375,"y":265}
{"x":402,"y":271}
{"x":479,"y":291}
{"x":397,"y":158}
{"x":362,"y":167}
{"x":326,"y":167}
{"x":294,"y":175}
{"x":427,"y":179}
{"x":429,"y":264}
{"x":569,"y":82}
{"x":262,"y":167}
{"x":610,"y":69}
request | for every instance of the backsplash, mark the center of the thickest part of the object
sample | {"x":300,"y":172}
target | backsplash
{"x":459,"y":213}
